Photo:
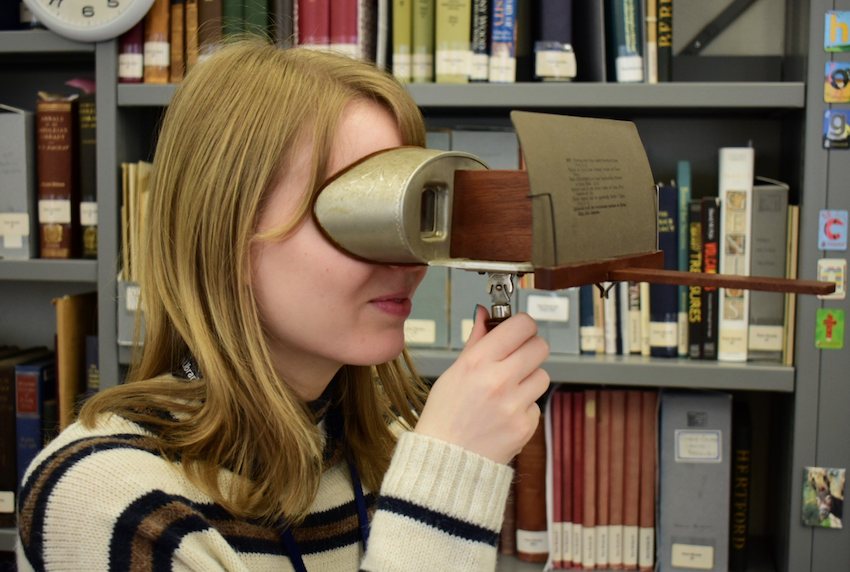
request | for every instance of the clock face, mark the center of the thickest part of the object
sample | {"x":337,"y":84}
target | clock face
{"x":89,"y":20}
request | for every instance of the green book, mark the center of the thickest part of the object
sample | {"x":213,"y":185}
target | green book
{"x":402,"y":39}
{"x":233,"y":15}
{"x":423,"y":40}
{"x":453,"y":55}
{"x":257,"y":17}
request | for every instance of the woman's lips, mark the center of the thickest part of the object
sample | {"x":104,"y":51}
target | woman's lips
{"x":397,"y":305}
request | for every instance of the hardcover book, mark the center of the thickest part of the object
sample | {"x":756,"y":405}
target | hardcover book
{"x":665,"y":40}
{"x":233,"y":17}
{"x":481,"y":34}
{"x":453,"y":35}
{"x":531,"y":536}
{"x":157,"y":47}
{"x":209,"y":26}
{"x":423,"y":40}
{"x":648,"y":440}
{"x":603,"y":462}
{"x":554,"y":55}
{"x":588,"y":330}
{"x":343,"y":27}
{"x":87,"y":110}
{"x":578,"y":479}
{"x":618,"y":466}
{"x":711,"y":263}
{"x":683,"y":180}
{"x":403,"y":40}
{"x":503,"y":42}
{"x":624,"y":41}
{"x":314,"y":26}
{"x":35,"y":400}
{"x":695,"y":252}
{"x":556,"y":314}
{"x":178,"y":49}
{"x":131,"y":59}
{"x":567,"y":479}
{"x":282,"y":24}
{"x":631,"y":482}
{"x":76,"y":317}
{"x":588,"y":549}
{"x":664,"y":298}
{"x":18,"y":199}
{"x":555,"y":417}
{"x":741,"y":471}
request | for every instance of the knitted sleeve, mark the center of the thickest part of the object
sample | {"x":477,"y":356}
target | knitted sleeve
{"x":440,"y":508}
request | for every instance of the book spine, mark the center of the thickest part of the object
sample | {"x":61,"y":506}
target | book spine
{"x":554,"y":57}
{"x":453,"y":56}
{"x":631,"y":482}
{"x":791,"y":272}
{"x":587,"y":321}
{"x":695,"y":249}
{"x":257,"y":17}
{"x":58,"y":178}
{"x":28,"y":401}
{"x":507,"y":536}
{"x":651,"y":55}
{"x":423,"y":41}
{"x":567,"y":480}
{"x":665,"y":40}
{"x":8,"y":445}
{"x":578,"y":478}
{"x":603,"y":463}
{"x":157,"y":47}
{"x":92,"y":366}
{"x":588,"y":549}
{"x":599,"y":321}
{"x":624,"y":41}
{"x":741,"y":470}
{"x":664,"y":298}
{"x":88,"y":174}
{"x":402,"y":39}
{"x":281,"y":22}
{"x":556,"y":532}
{"x":634,"y":318}
{"x":736,"y":207}
{"x":644,"y":319}
{"x":209,"y":27}
{"x":343,"y":27}
{"x":531,"y":537}
{"x":314,"y":26}
{"x":618,"y":461}
{"x":131,"y":59}
{"x":623,"y":318}
{"x":646,"y":549}
{"x":683,"y":179}
{"x":711,"y":263}
{"x":480,"y":35}
{"x":609,"y":320}
{"x":233,"y":17}
{"x":767,"y":309}
{"x":191,"y":34}
{"x":178,"y":14}
{"x":503,"y":43}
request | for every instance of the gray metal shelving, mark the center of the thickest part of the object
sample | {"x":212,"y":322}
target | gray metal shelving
{"x":40,"y":42}
{"x":43,"y":270}
{"x":720,"y":96}
{"x":8,"y":539}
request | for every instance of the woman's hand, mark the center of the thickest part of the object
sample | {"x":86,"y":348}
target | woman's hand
{"x":485,"y":402}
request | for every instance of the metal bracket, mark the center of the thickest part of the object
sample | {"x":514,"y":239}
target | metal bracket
{"x":716,"y":26}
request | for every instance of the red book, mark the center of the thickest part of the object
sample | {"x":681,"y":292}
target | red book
{"x":632,"y":481}
{"x":131,"y":60}
{"x":646,"y":549}
{"x":507,"y":536}
{"x":603,"y":464}
{"x":532,"y":540}
{"x":314,"y":22}
{"x":618,"y":462}
{"x":588,"y":549}
{"x":578,"y":476}
{"x":343,"y":27}
{"x":555,"y":534}
{"x":567,"y":479}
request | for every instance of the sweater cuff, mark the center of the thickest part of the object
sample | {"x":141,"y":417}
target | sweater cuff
{"x":448,"y":479}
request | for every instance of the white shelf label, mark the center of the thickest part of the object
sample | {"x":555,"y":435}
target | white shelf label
{"x":14,"y":224}
{"x":88,"y":214}
{"x":131,"y":66}
{"x":692,"y":556}
{"x":549,"y":308}
{"x":695,"y":446}
{"x":54,"y":212}
{"x":157,"y":54}
{"x":420,"y":331}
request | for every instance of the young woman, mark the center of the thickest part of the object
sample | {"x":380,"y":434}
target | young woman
{"x":273,"y":422}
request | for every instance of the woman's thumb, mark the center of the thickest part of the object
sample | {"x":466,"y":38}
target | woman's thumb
{"x":479,"y":328}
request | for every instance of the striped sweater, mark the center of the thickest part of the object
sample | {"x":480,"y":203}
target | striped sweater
{"x":104,"y":499}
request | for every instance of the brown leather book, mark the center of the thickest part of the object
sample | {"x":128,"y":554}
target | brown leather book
{"x":57,"y":125}
{"x":588,"y":550}
{"x":88,"y":174}
{"x":209,"y":26}
{"x":603,"y":469}
{"x":157,"y":48}
{"x":76,"y":317}
{"x":578,"y":476}
{"x":618,"y":465}
{"x":531,"y":535}
{"x":555,"y":533}
{"x":567,"y":479}
{"x":191,"y":16}
{"x":507,"y":536}
{"x":646,"y":520}
{"x":632,"y":481}
{"x":178,"y":16}
{"x":131,"y":59}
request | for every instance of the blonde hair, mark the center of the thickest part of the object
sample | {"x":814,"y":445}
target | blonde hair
{"x":232,"y":126}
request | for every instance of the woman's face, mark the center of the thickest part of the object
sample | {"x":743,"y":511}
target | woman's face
{"x":320,"y":308}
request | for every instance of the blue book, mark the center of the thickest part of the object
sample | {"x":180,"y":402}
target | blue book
{"x":35,"y":409}
{"x":503,"y":32}
{"x":683,"y":179}
{"x":589,"y":333}
{"x":664,"y":298}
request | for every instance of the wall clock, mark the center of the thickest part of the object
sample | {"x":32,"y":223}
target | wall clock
{"x":89,"y":20}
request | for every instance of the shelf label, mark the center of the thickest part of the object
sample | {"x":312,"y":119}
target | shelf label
{"x":829,"y":329}
{"x":832,"y":230}
{"x":698,"y":446}
{"x":420,"y":331}
{"x":14,"y":225}
{"x":549,"y":308}
{"x":7,"y":502}
{"x":692,"y":556}
{"x":833,"y":270}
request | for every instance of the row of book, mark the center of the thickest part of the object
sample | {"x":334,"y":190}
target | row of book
{"x":498,"y":41}
{"x":41,"y":391}
{"x":633,"y":479}
{"x":48,"y":207}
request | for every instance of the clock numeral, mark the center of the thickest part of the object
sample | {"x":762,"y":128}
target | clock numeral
{"x":58,"y":3}
{"x":88,"y":11}
{"x":112,"y":3}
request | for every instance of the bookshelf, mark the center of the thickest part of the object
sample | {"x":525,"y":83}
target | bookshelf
{"x":807,"y":402}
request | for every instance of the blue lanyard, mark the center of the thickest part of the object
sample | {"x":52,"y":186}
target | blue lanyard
{"x":292,"y":549}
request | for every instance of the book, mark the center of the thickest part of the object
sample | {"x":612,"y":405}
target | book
{"x":770,"y":237}
{"x":554,"y":56}
{"x":646,"y":518}
{"x":282,"y":26}
{"x":92,"y":365}
{"x":791,"y":272}
{"x":453,"y":58}
{"x":623,"y":318}
{"x":556,"y":550}
{"x":403,"y":39}
{"x":651,"y":54}
{"x":503,"y":42}
{"x":556,"y":314}
{"x":609,"y":320}
{"x":635,"y":335}
{"x":178,"y":50}
{"x":58,"y":175}
{"x":567,"y":479}
{"x":617,"y":468}
{"x":157,"y":48}
{"x":481,"y":36}
{"x":664,"y":298}
{"x":665,"y":40}
{"x":588,"y":331}
{"x":624,"y":41}
{"x":35,"y":400}
{"x":645,"y":348}
{"x":423,"y":41}
{"x":233,"y":17}
{"x":313,"y":21}
{"x":695,"y":471}
{"x":18,"y":199}
{"x":631,"y":480}
{"x":736,"y":207}
{"x":209,"y":27}
{"x":87,"y":143}
{"x":131,"y":60}
{"x":343,"y":27}
{"x":588,"y":533}
{"x":257,"y":13}
{"x":578,"y":479}
{"x":711,"y":263}
{"x":683,"y":181}
{"x":741,"y":470}
{"x":507,"y":535}
{"x":532,"y":541}
{"x":76,"y":318}
{"x":191,"y":23}
{"x":695,"y":252}
{"x":603,"y":464}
